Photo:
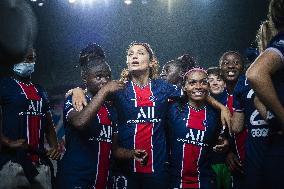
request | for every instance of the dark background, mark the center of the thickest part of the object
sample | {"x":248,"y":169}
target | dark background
{"x":203,"y":28}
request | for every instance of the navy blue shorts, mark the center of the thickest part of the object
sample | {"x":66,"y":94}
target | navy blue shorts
{"x":68,"y":181}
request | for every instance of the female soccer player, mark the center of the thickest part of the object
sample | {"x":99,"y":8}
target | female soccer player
{"x":90,"y":133}
{"x":142,"y":107}
{"x":194,"y":128}
{"x":266,"y":78}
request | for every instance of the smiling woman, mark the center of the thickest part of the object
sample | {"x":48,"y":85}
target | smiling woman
{"x":194,"y":128}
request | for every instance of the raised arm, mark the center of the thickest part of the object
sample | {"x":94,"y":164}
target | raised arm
{"x":225,"y":113}
{"x":238,"y":121}
{"x":81,"y":119}
{"x":260,"y":76}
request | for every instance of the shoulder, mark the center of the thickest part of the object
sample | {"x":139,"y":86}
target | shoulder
{"x":6,"y":83}
{"x":277,"y":45}
{"x":177,"y":104}
{"x":277,"y":42}
{"x":41,"y":90}
{"x":241,"y":84}
{"x":167,"y":88}
{"x":109,"y":105}
{"x":163,"y":83}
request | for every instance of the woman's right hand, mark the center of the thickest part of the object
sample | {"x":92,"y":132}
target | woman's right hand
{"x":112,"y":86}
{"x":234,"y":163}
{"x":141,"y":156}
{"x":78,"y":98}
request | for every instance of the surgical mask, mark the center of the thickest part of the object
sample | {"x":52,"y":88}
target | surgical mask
{"x":24,"y":69}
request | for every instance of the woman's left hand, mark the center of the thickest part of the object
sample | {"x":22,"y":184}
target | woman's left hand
{"x":226,"y":118}
{"x":222,"y":145}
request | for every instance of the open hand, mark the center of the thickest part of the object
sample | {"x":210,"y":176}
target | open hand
{"x":78,"y":99}
{"x":53,"y":153}
{"x":113,"y":86}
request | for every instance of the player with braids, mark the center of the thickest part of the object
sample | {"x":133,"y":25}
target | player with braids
{"x":174,"y":70}
{"x":91,"y":133}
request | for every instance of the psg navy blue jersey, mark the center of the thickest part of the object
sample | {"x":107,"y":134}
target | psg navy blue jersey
{"x":141,"y":121}
{"x":193,"y":133}
{"x":277,"y":45}
{"x":86,"y":160}
{"x":24,"y":108}
{"x":257,"y":139}
{"x":238,"y":140}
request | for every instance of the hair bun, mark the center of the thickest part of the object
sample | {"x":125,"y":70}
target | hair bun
{"x":91,"y":52}
{"x":187,"y":61}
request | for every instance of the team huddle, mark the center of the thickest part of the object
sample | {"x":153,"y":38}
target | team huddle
{"x":186,"y":127}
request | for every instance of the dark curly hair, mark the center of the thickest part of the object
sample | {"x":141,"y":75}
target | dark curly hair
{"x":91,"y":52}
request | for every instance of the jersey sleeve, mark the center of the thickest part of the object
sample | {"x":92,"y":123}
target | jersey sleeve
{"x":173,"y":91}
{"x":277,"y":46}
{"x":237,"y":101}
{"x":68,"y":107}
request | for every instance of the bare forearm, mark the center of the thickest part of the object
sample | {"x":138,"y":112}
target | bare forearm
{"x":50,"y":133}
{"x":5,"y":140}
{"x":82,"y":118}
{"x":238,"y":122}
{"x":266,"y":92}
{"x":119,"y":152}
{"x":52,"y":139}
{"x":259,"y":75}
{"x":213,"y":102}
{"x":123,"y":153}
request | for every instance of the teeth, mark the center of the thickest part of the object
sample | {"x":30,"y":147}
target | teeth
{"x":231,"y":73}
{"x":198,"y":93}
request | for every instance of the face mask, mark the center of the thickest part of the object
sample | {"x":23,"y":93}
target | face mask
{"x":24,"y":69}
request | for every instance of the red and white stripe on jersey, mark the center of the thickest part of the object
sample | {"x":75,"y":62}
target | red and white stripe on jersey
{"x":104,"y":151}
{"x":144,"y":131}
{"x":191,"y":153}
{"x":33,"y":121}
{"x":230,"y":100}
{"x":240,"y":137}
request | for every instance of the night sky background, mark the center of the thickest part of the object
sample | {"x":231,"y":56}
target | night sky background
{"x":203,"y":28}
